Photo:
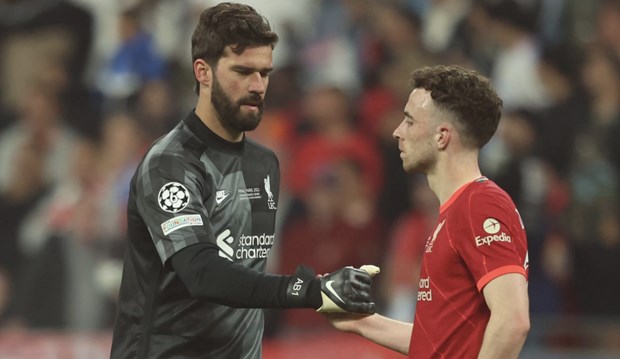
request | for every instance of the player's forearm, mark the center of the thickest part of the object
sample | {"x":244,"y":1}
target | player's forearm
{"x":208,"y":276}
{"x":390,"y":333}
{"x":504,"y":337}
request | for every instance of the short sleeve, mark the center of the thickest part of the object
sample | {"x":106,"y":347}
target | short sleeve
{"x":169,"y":198}
{"x":494,"y":242}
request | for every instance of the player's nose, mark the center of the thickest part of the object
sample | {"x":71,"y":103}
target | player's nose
{"x":258,"y":83}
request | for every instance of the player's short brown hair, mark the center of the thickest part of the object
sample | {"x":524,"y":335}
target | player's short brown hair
{"x":229,"y":24}
{"x":467,"y":95}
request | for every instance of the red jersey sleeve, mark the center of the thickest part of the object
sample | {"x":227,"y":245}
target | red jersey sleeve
{"x":493,"y":241}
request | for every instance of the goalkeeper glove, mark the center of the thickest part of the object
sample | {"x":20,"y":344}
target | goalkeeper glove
{"x":345,"y":290}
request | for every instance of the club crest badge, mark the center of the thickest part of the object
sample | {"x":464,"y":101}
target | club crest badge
{"x":271,"y":203}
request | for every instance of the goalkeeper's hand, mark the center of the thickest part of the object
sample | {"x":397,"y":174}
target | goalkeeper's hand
{"x":346,"y":290}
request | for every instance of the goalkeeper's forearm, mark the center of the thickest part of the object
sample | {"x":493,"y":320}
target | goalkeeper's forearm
{"x":209,"y":276}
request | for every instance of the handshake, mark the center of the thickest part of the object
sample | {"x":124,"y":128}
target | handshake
{"x":345,"y":290}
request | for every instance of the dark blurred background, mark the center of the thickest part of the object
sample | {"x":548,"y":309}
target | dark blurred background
{"x":87,"y":85}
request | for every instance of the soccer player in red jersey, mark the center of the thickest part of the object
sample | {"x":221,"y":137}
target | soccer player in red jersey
{"x":472,"y":298}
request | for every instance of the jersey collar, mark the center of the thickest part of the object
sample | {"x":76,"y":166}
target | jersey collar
{"x":209,"y":137}
{"x":458,"y":192}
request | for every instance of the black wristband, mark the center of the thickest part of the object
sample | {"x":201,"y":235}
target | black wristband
{"x":303,"y":289}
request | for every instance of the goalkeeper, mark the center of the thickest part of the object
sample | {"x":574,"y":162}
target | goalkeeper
{"x":201,"y":216}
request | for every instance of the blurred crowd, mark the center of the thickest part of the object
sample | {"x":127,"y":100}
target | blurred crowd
{"x":87,"y":85}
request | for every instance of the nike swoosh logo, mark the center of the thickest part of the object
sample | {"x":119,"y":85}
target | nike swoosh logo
{"x":332,"y":290}
{"x":220,"y":199}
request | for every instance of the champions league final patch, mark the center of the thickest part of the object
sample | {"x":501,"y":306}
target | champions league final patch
{"x":173,"y":197}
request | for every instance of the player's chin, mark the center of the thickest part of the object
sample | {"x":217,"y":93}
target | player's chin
{"x":407,"y":166}
{"x":250,"y":122}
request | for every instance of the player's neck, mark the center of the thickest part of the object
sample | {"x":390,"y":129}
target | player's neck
{"x":452,"y":172}
{"x":209,"y":116}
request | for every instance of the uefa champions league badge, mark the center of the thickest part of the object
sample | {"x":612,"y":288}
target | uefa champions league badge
{"x":173,"y":197}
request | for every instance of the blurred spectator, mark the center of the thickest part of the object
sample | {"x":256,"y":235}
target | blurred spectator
{"x":471,"y":43}
{"x":593,"y":216}
{"x":39,"y":120}
{"x":400,"y":35}
{"x":44,"y":300}
{"x":31,"y":30}
{"x":135,"y":62}
{"x":155,"y":111}
{"x":593,"y":224}
{"x":601,"y":76}
{"x":526,"y":179}
{"x":338,"y":226}
{"x":440,"y":22}
{"x":26,"y":187}
{"x":559,"y":68}
{"x":401,"y":265}
{"x":332,"y":55}
{"x":608,"y":24}
{"x":61,"y":287}
{"x":329,"y":134}
{"x":514,"y":72}
{"x":122,"y":147}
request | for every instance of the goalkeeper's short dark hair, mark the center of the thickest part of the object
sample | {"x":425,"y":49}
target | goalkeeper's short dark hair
{"x":229,"y":24}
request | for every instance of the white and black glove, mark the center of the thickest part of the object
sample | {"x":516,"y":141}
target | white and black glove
{"x":346,"y":290}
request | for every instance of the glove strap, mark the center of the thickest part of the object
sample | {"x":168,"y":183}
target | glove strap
{"x":298,"y":288}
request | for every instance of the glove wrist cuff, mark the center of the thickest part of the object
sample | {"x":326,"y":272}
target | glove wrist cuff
{"x":303,"y":289}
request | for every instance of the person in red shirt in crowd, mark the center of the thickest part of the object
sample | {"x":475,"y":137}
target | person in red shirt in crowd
{"x":472,"y":298}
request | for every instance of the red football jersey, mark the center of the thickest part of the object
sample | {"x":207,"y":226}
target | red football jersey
{"x":479,"y":237}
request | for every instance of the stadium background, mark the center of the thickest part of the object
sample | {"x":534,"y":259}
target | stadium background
{"x":86,"y":85}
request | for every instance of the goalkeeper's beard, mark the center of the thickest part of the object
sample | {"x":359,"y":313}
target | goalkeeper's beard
{"x":229,"y":111}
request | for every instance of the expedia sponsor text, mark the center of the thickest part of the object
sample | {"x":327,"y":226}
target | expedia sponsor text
{"x":488,"y":240}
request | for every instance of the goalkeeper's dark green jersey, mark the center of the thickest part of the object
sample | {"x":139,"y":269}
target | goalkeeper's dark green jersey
{"x":195,"y":189}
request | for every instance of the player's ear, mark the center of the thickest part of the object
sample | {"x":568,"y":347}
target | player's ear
{"x":443,"y":136}
{"x":202,"y":72}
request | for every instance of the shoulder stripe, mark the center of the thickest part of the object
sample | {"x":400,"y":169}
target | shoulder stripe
{"x":499,"y":272}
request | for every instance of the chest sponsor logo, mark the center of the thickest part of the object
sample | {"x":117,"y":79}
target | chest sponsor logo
{"x":492,"y":227}
{"x":173,"y":197}
{"x":221,"y":195}
{"x":431,"y":240}
{"x":224,"y":241}
{"x":271,"y":204}
{"x":248,"y":247}
{"x":425,"y":293}
{"x":175,"y":223}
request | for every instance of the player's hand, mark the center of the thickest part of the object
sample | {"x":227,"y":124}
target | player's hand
{"x":348,"y":290}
